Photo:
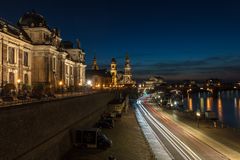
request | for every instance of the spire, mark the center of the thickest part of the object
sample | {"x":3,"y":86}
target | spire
{"x":127,"y":57}
{"x":127,"y":77}
{"x":127,"y":60}
{"x":113,"y":71}
{"x":94,"y":65}
{"x":113,"y":60}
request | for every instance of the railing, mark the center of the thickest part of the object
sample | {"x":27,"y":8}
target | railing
{"x":58,"y":96}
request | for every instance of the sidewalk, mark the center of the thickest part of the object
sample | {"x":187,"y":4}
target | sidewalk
{"x":128,"y":142}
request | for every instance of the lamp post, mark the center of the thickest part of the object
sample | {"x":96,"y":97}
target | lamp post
{"x":79,"y":87}
{"x":198,"y":114}
{"x":18,"y":82}
{"x":61,"y":87}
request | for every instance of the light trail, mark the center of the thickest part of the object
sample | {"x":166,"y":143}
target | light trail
{"x":158,"y":148}
{"x":178,"y":145}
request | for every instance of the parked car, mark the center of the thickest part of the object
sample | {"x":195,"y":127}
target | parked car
{"x":103,"y":142}
{"x":105,"y":123}
{"x":91,"y":138}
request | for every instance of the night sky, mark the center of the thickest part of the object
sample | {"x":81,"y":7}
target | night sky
{"x":176,"y":39}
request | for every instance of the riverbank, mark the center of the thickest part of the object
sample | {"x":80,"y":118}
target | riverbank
{"x":128,"y":142}
{"x":224,"y":140}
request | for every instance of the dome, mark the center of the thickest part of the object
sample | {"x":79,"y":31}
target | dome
{"x":32,"y":19}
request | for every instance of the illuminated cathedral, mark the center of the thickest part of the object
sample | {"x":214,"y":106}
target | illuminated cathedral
{"x":103,"y":78}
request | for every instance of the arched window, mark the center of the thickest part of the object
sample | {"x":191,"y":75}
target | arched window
{"x":25,"y":59}
{"x":26,"y":78}
{"x":11,"y":77}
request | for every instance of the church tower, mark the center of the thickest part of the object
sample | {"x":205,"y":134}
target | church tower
{"x":94,"y":65}
{"x":113,"y":71}
{"x":127,"y":77}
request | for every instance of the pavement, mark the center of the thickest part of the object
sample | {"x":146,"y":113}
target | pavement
{"x":128,"y":140}
{"x":224,"y":140}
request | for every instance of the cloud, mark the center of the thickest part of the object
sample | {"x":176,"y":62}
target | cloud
{"x":225,"y":67}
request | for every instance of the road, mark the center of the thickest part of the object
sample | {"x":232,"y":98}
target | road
{"x":180,"y":143}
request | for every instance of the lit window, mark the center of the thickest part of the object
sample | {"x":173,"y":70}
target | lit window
{"x":66,"y":69}
{"x":11,"y":77}
{"x":26,"y":78}
{"x":11,"y":55}
{"x":25,"y":59}
{"x":71,"y":70}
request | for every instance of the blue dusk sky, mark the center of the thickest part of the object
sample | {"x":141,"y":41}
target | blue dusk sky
{"x":176,"y":39}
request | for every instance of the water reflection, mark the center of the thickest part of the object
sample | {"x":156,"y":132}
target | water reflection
{"x":201,"y":104}
{"x":235,"y":107}
{"x":226,"y":106}
{"x":209,"y":103}
{"x":219,"y":108}
{"x":238,"y":108}
{"x":190,"y":105}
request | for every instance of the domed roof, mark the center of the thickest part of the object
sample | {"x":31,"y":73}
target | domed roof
{"x":32,"y":19}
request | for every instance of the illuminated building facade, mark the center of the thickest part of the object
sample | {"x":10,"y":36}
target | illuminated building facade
{"x":98,"y":78}
{"x":33,"y":53}
{"x":113,"y":72}
{"x":127,"y":77}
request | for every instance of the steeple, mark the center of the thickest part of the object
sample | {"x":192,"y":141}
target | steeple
{"x":94,"y":65}
{"x":113,"y":71}
{"x":127,"y":77}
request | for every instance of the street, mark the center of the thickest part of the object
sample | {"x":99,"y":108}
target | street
{"x":181,"y":143}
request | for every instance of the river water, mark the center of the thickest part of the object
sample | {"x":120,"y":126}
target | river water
{"x":226,"y":106}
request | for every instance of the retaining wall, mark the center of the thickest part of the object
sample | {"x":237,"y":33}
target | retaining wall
{"x":43,"y":130}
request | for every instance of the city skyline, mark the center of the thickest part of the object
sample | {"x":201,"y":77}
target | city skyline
{"x":176,"y":40}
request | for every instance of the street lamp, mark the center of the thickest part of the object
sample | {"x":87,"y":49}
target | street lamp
{"x":89,"y":83}
{"x":18,"y":82}
{"x":61,"y":87}
{"x":198,"y":114}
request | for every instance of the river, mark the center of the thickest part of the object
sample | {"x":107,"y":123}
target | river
{"x":226,"y":106}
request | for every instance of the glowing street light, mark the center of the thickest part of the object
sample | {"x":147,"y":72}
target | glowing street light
{"x":61,"y":86}
{"x":18,"y":82}
{"x":89,"y":82}
{"x":198,"y":114}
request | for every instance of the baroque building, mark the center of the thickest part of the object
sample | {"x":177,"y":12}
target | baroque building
{"x":33,"y":53}
{"x":98,"y":78}
{"x":127,"y":76}
{"x":113,"y":72}
{"x":94,"y":65}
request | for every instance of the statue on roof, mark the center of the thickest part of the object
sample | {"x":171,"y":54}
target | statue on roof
{"x":78,"y":44}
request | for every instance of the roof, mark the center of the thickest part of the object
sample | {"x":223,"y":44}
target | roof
{"x":13,"y":30}
{"x":32,"y":19}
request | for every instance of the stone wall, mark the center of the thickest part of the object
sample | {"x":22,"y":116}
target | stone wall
{"x":43,"y":130}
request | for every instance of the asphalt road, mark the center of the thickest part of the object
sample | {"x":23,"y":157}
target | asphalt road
{"x":179,"y":142}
